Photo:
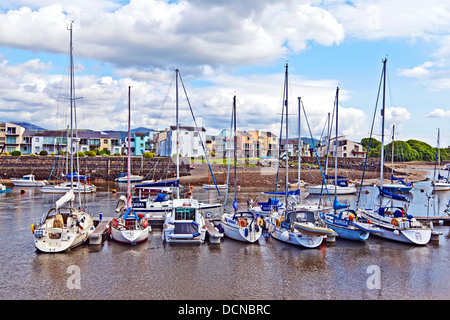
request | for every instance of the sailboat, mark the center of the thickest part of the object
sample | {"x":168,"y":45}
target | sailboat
{"x":338,"y":185}
{"x":394,"y":221}
{"x":439,"y":183}
{"x":297,"y":224}
{"x":184,"y":223}
{"x":129,"y":227}
{"x":397,"y":185}
{"x":342,"y":219}
{"x":64,"y":227}
{"x":242,"y":226}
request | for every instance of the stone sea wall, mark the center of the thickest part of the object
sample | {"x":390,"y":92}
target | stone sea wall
{"x":99,"y":168}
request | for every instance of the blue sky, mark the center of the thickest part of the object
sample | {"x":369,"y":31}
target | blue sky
{"x":224,"y":48}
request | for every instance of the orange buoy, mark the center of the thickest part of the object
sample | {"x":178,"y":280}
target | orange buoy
{"x":22,"y":191}
{"x":367,"y":191}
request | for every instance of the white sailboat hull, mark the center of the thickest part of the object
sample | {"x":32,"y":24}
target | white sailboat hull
{"x":411,"y":232}
{"x":55,"y":239}
{"x":296,"y":238}
{"x":65,"y":187}
{"x":331,"y":189}
{"x":130,"y":236}
{"x":234,"y":231}
{"x":441,"y":186}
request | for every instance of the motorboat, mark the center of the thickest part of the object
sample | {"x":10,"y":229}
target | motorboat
{"x":184,"y":224}
{"x":28,"y":181}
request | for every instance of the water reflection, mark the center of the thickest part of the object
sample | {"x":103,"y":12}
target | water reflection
{"x":268,"y":270}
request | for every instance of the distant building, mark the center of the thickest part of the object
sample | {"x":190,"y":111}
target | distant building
{"x":11,"y":136}
{"x":189,"y":142}
{"x":345,"y":148}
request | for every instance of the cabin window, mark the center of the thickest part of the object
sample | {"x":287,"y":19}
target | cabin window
{"x":184,"y":214}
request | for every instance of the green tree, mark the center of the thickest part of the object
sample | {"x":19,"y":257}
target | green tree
{"x":425,"y":151}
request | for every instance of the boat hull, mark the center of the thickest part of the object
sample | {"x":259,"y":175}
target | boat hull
{"x":54,"y":240}
{"x":396,"y":188}
{"x":129,"y":236}
{"x":297,"y":238}
{"x":234,"y":231}
{"x":331,"y":189}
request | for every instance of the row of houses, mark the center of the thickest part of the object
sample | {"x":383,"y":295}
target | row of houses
{"x":192,"y":143}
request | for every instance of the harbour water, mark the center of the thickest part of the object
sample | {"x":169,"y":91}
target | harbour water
{"x":267,"y":270}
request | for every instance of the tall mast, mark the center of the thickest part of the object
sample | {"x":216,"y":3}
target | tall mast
{"x":299,"y":147}
{"x":287,"y":127}
{"x":336,"y":145}
{"x":382,"y":123}
{"x":178,"y":129}
{"x":235,"y":155}
{"x":392,"y":153}
{"x":71,"y":97}
{"x":129,"y":150}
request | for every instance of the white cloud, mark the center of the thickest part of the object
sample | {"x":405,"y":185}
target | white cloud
{"x":439,"y":113}
{"x":158,"y":34}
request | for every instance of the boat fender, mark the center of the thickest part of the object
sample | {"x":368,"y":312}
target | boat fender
{"x":143,"y":222}
{"x":284,"y":236}
{"x":277,"y":222}
{"x":22,"y":191}
{"x":260,"y":222}
{"x":396,"y":232}
{"x":246,"y":232}
{"x":32,"y":228}
{"x":394,"y":221}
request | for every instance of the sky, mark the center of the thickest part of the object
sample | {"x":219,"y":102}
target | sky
{"x":227,"y":48}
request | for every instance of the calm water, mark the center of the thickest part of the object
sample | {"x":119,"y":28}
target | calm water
{"x":230,"y":270}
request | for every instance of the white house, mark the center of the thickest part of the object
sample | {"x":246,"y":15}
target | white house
{"x":190,"y":142}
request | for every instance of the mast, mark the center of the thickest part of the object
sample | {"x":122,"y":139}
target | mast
{"x":299,"y":147}
{"x":382,"y":123}
{"x":235,"y":156}
{"x":287,"y":140}
{"x":178,"y":129}
{"x":71,"y":97}
{"x":129,"y":150}
{"x":336,"y":145}
{"x":392,"y":153}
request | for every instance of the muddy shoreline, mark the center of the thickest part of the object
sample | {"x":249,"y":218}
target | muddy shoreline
{"x":266,"y":176}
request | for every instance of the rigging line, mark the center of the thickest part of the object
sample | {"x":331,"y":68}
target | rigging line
{"x":315,"y":151}
{"x":164,"y":101}
{"x":199,"y":135}
{"x":370,"y":138}
{"x":279,"y":140}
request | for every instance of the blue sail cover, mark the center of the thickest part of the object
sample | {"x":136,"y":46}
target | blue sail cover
{"x":171,"y":183}
{"x":340,"y":181}
{"x":160,"y":197}
{"x":337,"y":206}
{"x":402,"y":181}
{"x":392,"y":195}
{"x":290,"y":193}
{"x":128,"y":213}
